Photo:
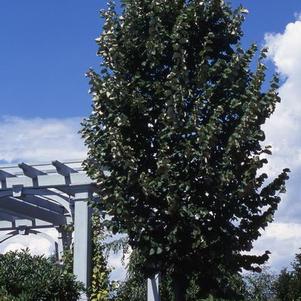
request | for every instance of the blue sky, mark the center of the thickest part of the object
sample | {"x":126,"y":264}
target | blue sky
{"x":267,"y":16}
{"x":46,"y":48}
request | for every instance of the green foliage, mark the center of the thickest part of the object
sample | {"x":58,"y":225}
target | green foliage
{"x":260,"y":286}
{"x":100,"y":286}
{"x":177,"y":116}
{"x":283,"y":286}
{"x":288,"y":284}
{"x":25,"y":278}
{"x":134,"y":287}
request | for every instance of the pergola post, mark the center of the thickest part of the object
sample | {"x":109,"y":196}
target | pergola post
{"x":82,"y":240}
{"x":153,"y":293}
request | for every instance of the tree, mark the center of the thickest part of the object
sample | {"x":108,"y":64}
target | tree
{"x":283,"y":286}
{"x":260,"y":286}
{"x":176,"y":122}
{"x":288,"y":284}
{"x":134,"y":287}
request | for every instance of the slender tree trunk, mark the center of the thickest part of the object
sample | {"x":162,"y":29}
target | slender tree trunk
{"x":180,"y":285}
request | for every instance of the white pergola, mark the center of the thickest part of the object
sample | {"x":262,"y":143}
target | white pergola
{"x":38,"y":196}
{"x":52,"y":195}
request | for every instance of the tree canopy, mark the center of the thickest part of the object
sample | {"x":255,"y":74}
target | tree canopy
{"x":176,"y":122}
{"x":288,"y":284}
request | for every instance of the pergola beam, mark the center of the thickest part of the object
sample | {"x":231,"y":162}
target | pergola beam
{"x":7,"y":217}
{"x":63,"y":169}
{"x":13,"y":215}
{"x":3,"y":176}
{"x":51,"y":180}
{"x":43,"y":203}
{"x":30,"y":171}
{"x":22,"y":207}
{"x":33,"y":226}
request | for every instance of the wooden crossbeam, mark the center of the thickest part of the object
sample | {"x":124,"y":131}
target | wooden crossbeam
{"x":21,"y":207}
{"x":63,"y":169}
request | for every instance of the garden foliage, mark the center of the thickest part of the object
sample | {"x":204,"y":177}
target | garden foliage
{"x":24,"y":277}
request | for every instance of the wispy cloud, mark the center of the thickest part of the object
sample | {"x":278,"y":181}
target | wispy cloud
{"x":37,"y":139}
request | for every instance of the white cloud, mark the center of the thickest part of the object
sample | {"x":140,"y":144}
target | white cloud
{"x":284,"y":127}
{"x":283,"y":241}
{"x":284,"y":49}
{"x":38,"y":140}
{"x":283,"y":231}
{"x":283,"y":237}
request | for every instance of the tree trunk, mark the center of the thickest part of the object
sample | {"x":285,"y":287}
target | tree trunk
{"x":180,"y":285}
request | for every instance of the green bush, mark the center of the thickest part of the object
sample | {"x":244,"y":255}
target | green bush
{"x":24,"y":277}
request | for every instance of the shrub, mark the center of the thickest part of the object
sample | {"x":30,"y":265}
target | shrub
{"x":24,"y":277}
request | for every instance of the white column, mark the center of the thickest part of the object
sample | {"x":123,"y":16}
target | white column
{"x":82,"y":240}
{"x":153,"y":293}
